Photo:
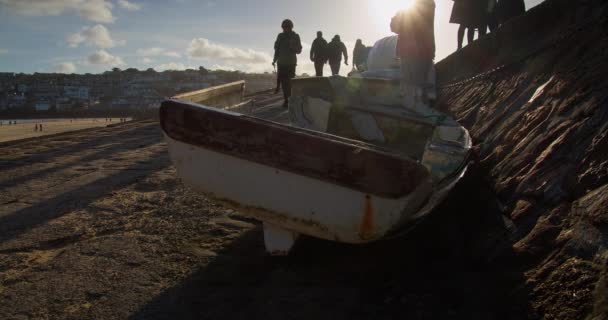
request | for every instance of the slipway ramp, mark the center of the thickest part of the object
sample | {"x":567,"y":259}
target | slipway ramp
{"x":534,"y":97}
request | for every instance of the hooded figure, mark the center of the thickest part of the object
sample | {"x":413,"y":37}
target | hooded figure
{"x":318,"y":53}
{"x":360,"y":54}
{"x":286,"y":48}
{"x":335,"y":50}
{"x":416,"y":49}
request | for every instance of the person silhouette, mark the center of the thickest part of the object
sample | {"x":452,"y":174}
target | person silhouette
{"x":286,"y":48}
{"x":335,"y":50}
{"x":318,"y":53}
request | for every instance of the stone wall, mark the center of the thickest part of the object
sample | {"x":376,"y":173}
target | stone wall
{"x":541,"y":126}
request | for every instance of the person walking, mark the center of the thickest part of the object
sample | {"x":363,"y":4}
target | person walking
{"x":416,"y":50}
{"x":286,"y":48}
{"x":335,"y":50}
{"x":491,"y":16}
{"x":318,"y":53}
{"x":360,"y":54}
{"x":278,"y":86}
{"x":471,"y":15}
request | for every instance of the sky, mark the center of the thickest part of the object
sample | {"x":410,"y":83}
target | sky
{"x":93,"y":36}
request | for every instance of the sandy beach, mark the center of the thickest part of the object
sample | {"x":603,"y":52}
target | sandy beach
{"x":26,"y":128}
{"x":96,"y":224}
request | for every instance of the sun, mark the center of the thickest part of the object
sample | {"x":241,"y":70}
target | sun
{"x":383,"y":10}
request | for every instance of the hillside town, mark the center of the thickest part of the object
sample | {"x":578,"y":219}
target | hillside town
{"x":132,"y":89}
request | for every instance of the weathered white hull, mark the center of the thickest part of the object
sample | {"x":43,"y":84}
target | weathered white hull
{"x":352,"y":174}
{"x":294,"y":202}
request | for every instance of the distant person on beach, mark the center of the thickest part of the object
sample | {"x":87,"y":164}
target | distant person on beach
{"x":360,"y":54}
{"x":335,"y":50}
{"x":509,"y":9}
{"x":318,"y":53}
{"x":416,"y":50}
{"x":286,"y":48}
{"x":41,"y":127}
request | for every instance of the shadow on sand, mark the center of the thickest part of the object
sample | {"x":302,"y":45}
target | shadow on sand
{"x":450,"y":267}
{"x":91,"y":142}
{"x":14,"y":224}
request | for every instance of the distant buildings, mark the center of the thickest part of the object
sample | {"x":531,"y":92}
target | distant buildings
{"x":42,"y":106}
{"x":77,"y":93}
{"x":44,"y":92}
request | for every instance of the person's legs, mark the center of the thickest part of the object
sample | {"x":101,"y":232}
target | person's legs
{"x":276,"y":90}
{"x":415,"y":80}
{"x":286,"y":91}
{"x":492,"y":21}
{"x":286,"y":73}
{"x":407,"y":88}
{"x":335,"y":68}
{"x":319,"y":68}
{"x":461,"y":30}
{"x":483,"y":30}
{"x":470,"y":35}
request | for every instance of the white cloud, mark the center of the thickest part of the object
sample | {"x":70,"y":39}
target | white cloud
{"x":103,"y":57}
{"x":173,"y":54}
{"x":94,"y":10}
{"x":97,"y":36}
{"x":202,"y":48}
{"x":172,"y":66}
{"x":222,"y":67}
{"x":146,"y":60}
{"x":3,"y":51}
{"x":129,"y":5}
{"x":158,"y":52}
{"x":65,"y":67}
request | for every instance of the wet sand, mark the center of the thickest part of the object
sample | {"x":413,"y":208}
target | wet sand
{"x":27,"y":130}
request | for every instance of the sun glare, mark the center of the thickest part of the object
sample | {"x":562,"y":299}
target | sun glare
{"x":383,"y":10}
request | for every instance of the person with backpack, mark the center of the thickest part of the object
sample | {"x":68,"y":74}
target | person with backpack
{"x":318,"y":53}
{"x":286,"y":48}
{"x":335,"y":50}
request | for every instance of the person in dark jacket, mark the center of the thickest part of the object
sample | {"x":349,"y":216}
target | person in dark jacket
{"x":286,"y":48}
{"x":360,"y":54}
{"x":509,"y":9}
{"x":471,"y":15}
{"x":416,"y":49}
{"x":491,"y":16}
{"x":335,"y":50}
{"x":318,"y":53}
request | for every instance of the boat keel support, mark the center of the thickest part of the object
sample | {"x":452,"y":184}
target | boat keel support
{"x":278,"y":241}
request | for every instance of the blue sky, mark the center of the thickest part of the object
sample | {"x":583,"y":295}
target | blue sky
{"x":96,"y":35}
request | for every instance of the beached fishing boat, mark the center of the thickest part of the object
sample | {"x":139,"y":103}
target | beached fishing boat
{"x":353,"y":165}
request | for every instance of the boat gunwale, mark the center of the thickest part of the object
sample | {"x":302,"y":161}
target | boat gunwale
{"x":411,"y":171}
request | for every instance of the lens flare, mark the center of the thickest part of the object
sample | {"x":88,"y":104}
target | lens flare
{"x":384,"y":10}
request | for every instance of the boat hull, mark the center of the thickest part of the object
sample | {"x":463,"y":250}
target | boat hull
{"x":291,"y":201}
{"x":307,"y":182}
